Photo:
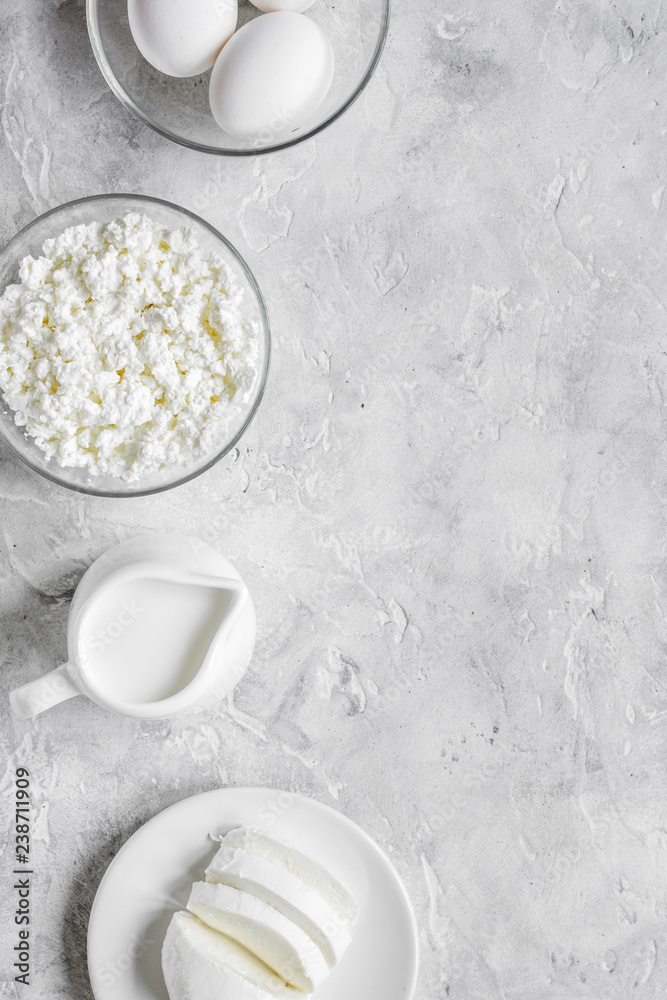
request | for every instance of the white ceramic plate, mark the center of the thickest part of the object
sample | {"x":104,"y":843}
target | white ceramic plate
{"x":151,"y":876}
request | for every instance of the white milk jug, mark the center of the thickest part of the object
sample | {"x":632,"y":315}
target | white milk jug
{"x":159,"y":625}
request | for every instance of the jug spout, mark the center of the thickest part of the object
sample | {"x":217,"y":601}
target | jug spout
{"x":34,"y":698}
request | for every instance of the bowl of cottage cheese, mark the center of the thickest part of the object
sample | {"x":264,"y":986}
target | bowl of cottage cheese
{"x":134,"y":345}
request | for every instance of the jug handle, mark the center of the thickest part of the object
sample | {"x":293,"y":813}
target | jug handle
{"x":34,"y":698}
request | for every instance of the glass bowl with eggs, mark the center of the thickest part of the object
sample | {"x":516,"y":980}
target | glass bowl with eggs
{"x":235,"y":77}
{"x":134,"y":345}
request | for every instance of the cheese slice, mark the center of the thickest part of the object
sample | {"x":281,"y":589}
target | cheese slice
{"x":200,"y":964}
{"x":339,"y":898}
{"x":277,"y":941}
{"x":288,"y":894}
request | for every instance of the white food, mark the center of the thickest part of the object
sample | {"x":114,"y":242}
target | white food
{"x":277,"y":941}
{"x":181,"y":37}
{"x":124,"y":349}
{"x":269,"y":6}
{"x":200,"y":964}
{"x":288,"y":894}
{"x":271,"y":76}
{"x":337,"y":895}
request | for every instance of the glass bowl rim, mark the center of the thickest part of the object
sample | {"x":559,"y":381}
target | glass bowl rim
{"x":265,"y":335}
{"x":166,"y":133}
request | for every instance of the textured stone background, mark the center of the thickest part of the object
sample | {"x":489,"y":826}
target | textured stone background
{"x":450,"y":509}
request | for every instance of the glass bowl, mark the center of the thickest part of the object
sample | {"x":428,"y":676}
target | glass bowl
{"x":178,"y":108}
{"x":104,"y":208}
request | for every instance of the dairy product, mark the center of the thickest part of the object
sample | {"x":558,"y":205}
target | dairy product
{"x":201,"y":964}
{"x":270,"y":902}
{"x":288,"y":894}
{"x":271,"y":76}
{"x":340,"y":899}
{"x":124,"y":349}
{"x":144,"y":640}
{"x":181,"y":37}
{"x":277,"y":941}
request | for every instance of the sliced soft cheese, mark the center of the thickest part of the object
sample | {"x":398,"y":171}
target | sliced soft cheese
{"x":339,"y":898}
{"x":277,"y":941}
{"x":292,"y":897}
{"x":201,"y":964}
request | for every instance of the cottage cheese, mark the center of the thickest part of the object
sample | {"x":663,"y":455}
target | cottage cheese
{"x":124,"y":349}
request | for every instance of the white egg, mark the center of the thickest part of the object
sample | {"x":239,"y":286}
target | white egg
{"x":270,"y":6}
{"x":270,"y":76}
{"x":181,"y":37}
